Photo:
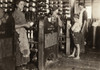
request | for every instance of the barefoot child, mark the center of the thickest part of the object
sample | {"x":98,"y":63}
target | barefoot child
{"x":76,"y":34}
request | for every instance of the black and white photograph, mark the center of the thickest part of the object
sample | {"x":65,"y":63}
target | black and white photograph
{"x":49,"y":35}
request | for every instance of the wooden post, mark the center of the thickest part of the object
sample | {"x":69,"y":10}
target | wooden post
{"x":94,"y":34}
{"x":48,"y":43}
{"x":68,"y":38}
{"x":41,"y":46}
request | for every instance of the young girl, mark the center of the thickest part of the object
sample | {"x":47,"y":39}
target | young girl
{"x":76,"y":37}
{"x":22,"y":50}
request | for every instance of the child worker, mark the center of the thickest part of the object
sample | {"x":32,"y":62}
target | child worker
{"x":77,"y":37}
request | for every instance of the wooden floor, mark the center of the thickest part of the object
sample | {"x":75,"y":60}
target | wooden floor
{"x":88,"y":61}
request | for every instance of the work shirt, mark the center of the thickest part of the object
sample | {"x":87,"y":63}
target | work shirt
{"x":19,"y":17}
{"x":76,"y":27}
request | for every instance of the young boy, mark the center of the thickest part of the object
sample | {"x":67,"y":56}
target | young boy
{"x":76,"y":34}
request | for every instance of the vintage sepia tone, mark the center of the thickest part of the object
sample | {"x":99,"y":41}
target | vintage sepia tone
{"x":49,"y":34}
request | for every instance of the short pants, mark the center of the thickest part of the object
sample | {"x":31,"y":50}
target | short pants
{"x":78,"y":38}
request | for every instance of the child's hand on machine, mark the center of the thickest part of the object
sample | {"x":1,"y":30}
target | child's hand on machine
{"x":26,"y":25}
{"x":31,"y":23}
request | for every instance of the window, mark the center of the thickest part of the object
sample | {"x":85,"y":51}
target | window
{"x":89,"y":11}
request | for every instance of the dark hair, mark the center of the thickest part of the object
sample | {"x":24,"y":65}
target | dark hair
{"x":18,"y":1}
{"x":76,"y":16}
{"x":81,"y":4}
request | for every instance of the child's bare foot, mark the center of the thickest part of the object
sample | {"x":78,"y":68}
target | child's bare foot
{"x":71,"y":56}
{"x":77,"y":58}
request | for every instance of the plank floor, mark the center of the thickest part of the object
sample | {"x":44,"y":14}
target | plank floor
{"x":88,"y":61}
